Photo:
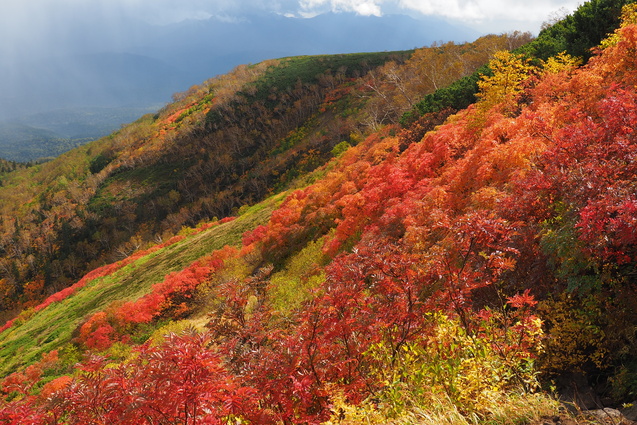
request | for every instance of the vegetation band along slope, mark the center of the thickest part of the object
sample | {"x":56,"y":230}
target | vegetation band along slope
{"x":37,"y":331}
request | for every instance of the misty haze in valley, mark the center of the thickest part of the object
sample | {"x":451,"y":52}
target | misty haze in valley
{"x":85,"y":78}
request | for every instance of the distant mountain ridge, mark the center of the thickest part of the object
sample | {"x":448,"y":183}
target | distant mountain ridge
{"x":143,"y":65}
{"x":48,"y":134}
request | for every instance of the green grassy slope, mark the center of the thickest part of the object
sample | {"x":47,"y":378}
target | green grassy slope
{"x":53,"y":328}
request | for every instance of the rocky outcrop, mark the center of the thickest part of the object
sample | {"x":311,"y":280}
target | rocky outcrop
{"x":630,"y":412}
{"x":608,"y":416}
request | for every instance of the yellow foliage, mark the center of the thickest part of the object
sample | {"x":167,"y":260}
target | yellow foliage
{"x":561,"y":62}
{"x":575,"y":335}
{"x":629,"y":17}
{"x":509,"y":72}
{"x":486,"y":197}
{"x":293,"y":285}
{"x":472,"y":372}
{"x":513,"y":409}
{"x":177,"y":327}
{"x":349,"y":414}
{"x":119,"y":352}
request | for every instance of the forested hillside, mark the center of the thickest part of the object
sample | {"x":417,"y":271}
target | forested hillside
{"x":228,"y":143}
{"x":8,"y":166}
{"x":465,"y":267}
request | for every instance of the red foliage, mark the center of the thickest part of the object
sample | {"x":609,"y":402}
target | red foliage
{"x":179,"y":381}
{"x":255,"y":235}
{"x":51,"y":389}
{"x":522,"y":300}
{"x":97,"y":333}
{"x":25,"y":412}
{"x":106,"y":327}
{"x":94,"y":274}
{"x":23,"y":382}
{"x":590,"y":169}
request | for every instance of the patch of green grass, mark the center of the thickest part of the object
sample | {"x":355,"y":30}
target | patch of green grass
{"x":291,"y":286}
{"x":54,"y":327}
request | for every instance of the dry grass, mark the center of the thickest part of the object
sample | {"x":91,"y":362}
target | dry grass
{"x":512,"y":409}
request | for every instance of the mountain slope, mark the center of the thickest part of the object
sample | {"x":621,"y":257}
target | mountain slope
{"x":576,"y":35}
{"x":25,"y":143}
{"x":53,"y":325}
{"x":113,"y":62}
{"x":222,"y":145}
{"x":162,"y":173}
{"x":425,"y":275}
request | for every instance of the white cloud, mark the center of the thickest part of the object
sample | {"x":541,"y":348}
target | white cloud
{"x":486,"y":15}
{"x":465,"y":9}
{"x":497,"y":14}
{"x":35,"y":18}
{"x":365,"y":8}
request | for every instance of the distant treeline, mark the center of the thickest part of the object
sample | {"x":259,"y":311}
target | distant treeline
{"x":9,"y":166}
{"x":576,"y":35}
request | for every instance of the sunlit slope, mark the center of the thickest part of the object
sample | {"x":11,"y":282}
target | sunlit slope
{"x":447,"y":270}
{"x":36,"y":331}
{"x":230,"y":142}
{"x":226,"y":143}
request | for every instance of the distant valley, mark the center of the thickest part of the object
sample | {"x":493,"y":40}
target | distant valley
{"x":48,"y":134}
{"x":55,"y":100}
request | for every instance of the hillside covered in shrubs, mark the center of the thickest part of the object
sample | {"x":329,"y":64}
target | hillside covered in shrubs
{"x":316,"y":261}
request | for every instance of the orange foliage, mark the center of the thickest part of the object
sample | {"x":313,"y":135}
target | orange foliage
{"x":50,"y":389}
{"x":473,"y":221}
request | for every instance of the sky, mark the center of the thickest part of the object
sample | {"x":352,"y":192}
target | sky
{"x":24,"y":16}
{"x":39,"y":25}
{"x":40,"y":37}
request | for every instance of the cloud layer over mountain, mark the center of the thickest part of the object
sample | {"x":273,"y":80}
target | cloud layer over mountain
{"x":113,"y":53}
